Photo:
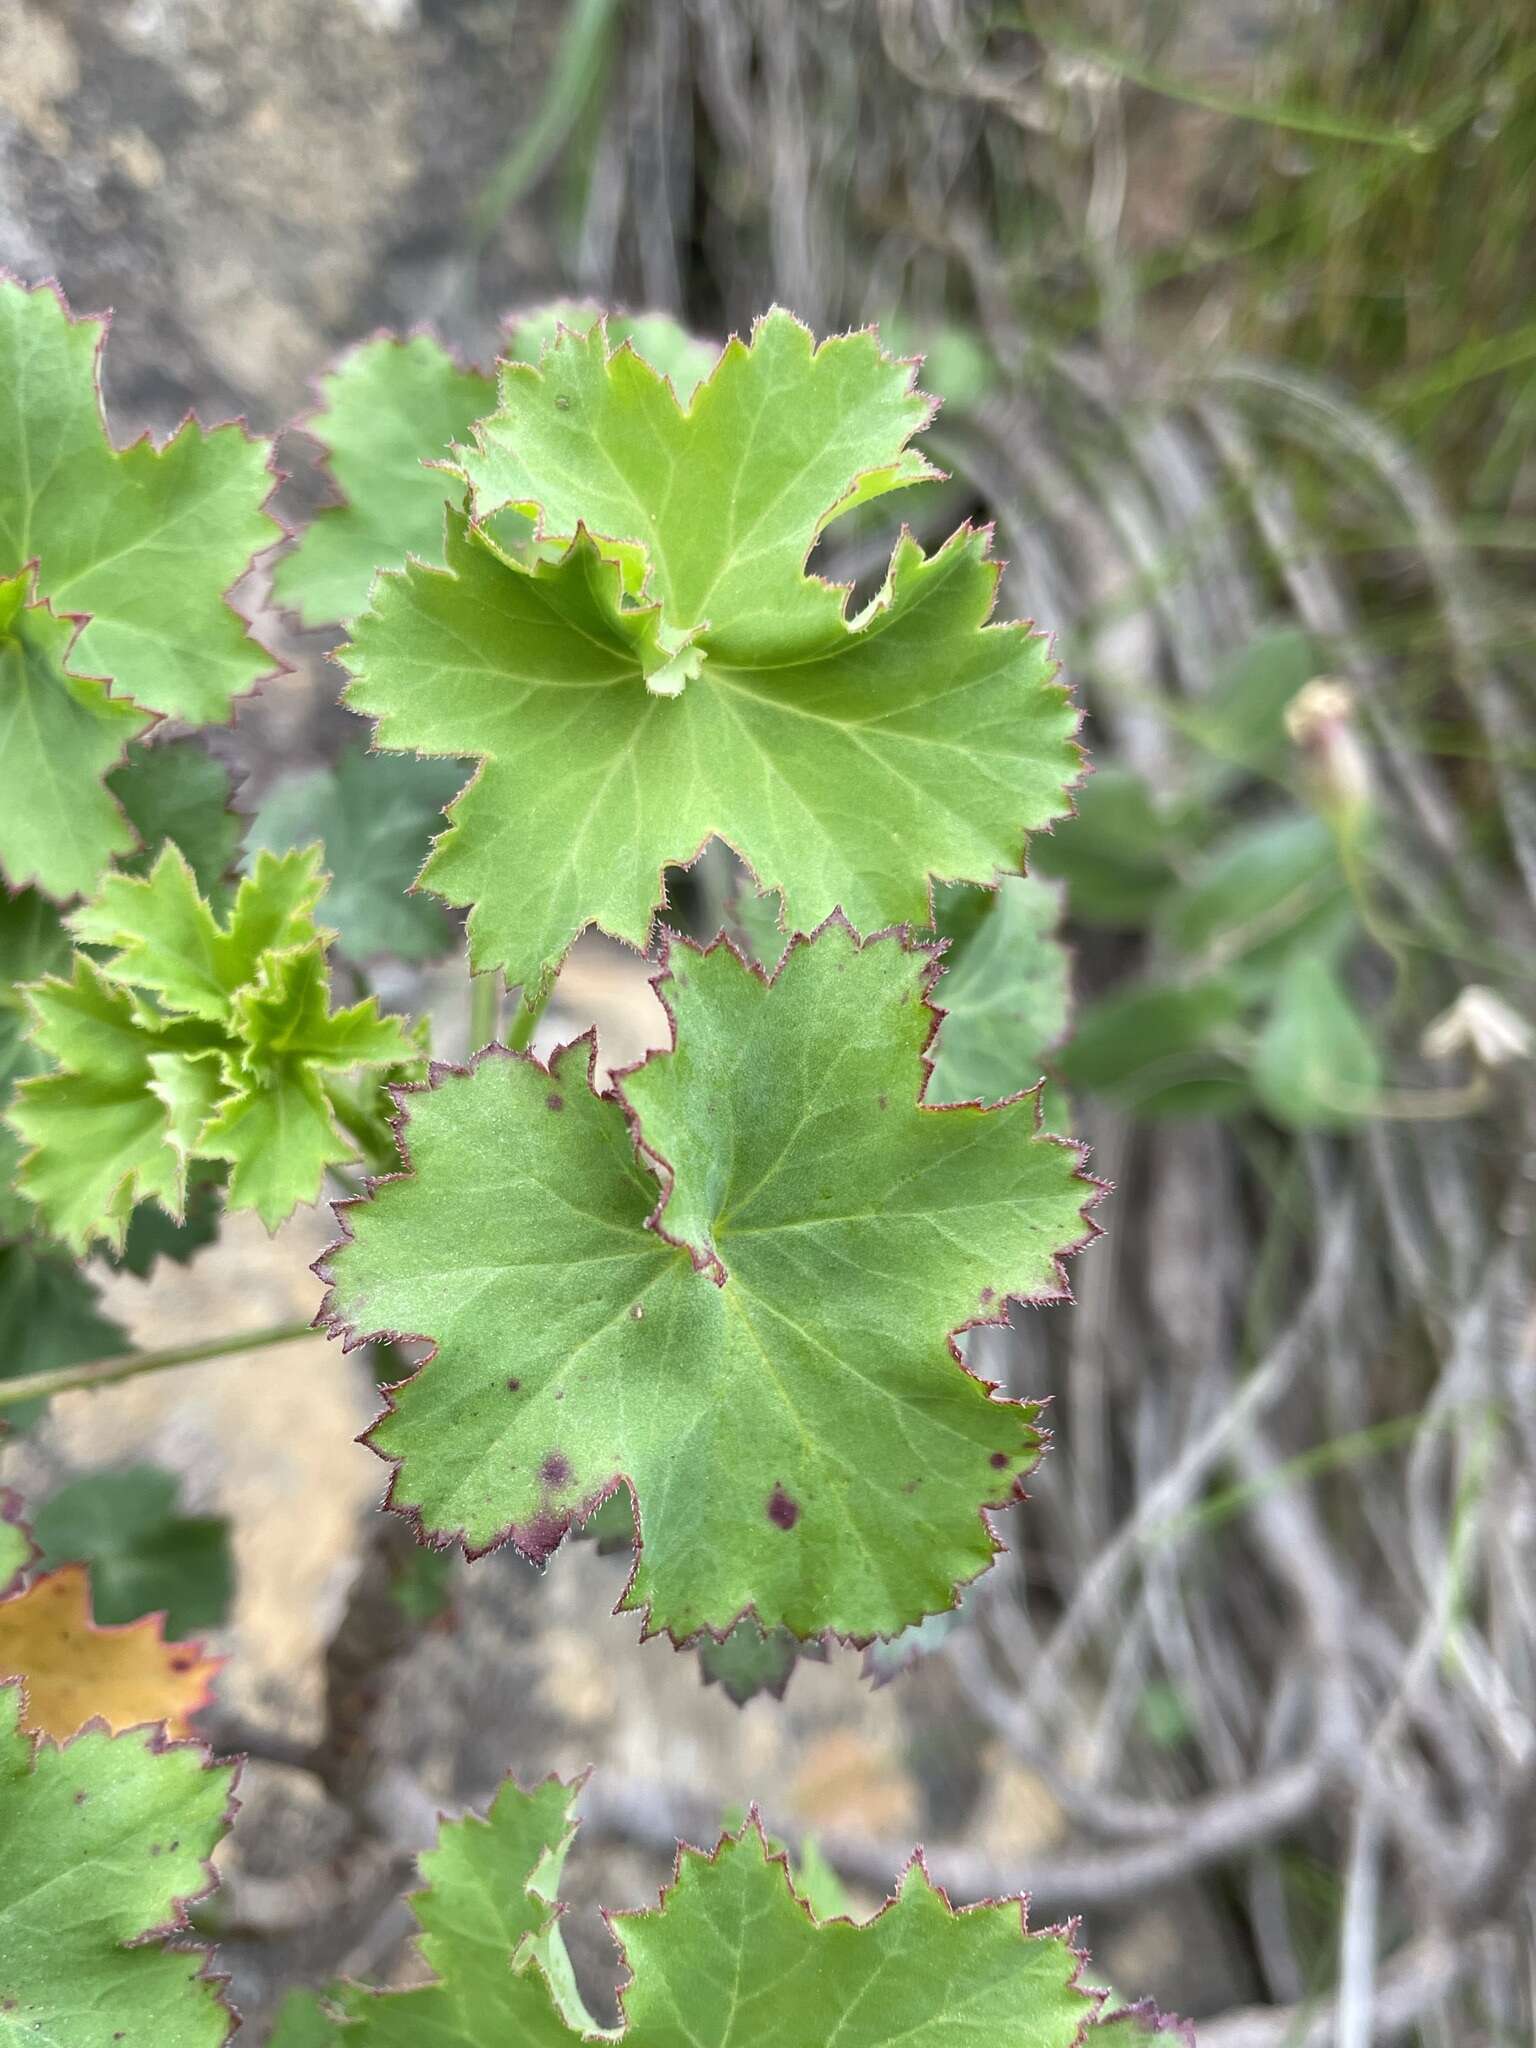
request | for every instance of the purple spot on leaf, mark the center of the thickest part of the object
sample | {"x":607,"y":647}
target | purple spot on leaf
{"x":554,"y":1101}
{"x":513,"y":1385}
{"x":987,"y":1297}
{"x":999,"y":1460}
{"x":782,"y":1511}
{"x":555,"y":1470}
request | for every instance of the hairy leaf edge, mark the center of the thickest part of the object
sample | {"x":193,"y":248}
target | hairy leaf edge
{"x":1066,"y":1932}
{"x":334,"y":1325}
{"x":1052,"y":680}
{"x":157,"y":1743}
{"x":190,"y":418}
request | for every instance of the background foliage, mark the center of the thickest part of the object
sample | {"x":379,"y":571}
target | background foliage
{"x":1232,"y":310}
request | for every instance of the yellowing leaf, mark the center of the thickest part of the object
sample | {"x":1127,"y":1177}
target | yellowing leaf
{"x":74,"y":1671}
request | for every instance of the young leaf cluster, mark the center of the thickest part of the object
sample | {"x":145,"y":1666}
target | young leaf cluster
{"x":194,"y":1038}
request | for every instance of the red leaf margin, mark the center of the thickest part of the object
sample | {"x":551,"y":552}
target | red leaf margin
{"x":190,"y":418}
{"x":753,"y":1824}
{"x":179,"y":1920}
{"x":550,"y":1532}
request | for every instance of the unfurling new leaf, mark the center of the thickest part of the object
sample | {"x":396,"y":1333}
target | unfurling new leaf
{"x":748,"y":1318}
{"x":194,"y":1039}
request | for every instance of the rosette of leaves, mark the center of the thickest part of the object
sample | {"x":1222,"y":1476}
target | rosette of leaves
{"x":114,"y":564}
{"x":105,"y":1841}
{"x":733,"y":1285}
{"x":624,"y":633}
{"x":197,"y":1039}
{"x":732,"y":1955}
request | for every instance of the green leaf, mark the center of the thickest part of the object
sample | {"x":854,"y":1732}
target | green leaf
{"x":919,"y":1973}
{"x":749,"y":1660}
{"x":49,"y":1316}
{"x":279,"y":1130}
{"x":33,"y":942}
{"x":768,"y":1367}
{"x":145,"y":1557}
{"x":143,"y":542}
{"x":488,"y":1903}
{"x":169,"y":942}
{"x":389,"y":407}
{"x":178,"y":791}
{"x":284,"y":1018}
{"x":731,"y":1957}
{"x":302,"y":2022}
{"x":1162,"y":1051}
{"x":726,"y":495}
{"x":17,"y":1549}
{"x":99,"y":1134}
{"x":670,"y":350}
{"x":392,"y":407}
{"x":197,"y":1040}
{"x":279,"y":1138}
{"x":847,"y":761}
{"x":375,"y":815}
{"x":153,"y":1235}
{"x":1113,"y":853}
{"x":1315,"y":1067}
{"x":1264,"y":893}
{"x":60,"y":731}
{"x":1003,"y":990}
{"x":818,"y":1883}
{"x":103,"y":1844}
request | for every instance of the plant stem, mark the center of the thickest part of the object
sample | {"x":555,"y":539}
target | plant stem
{"x":529,"y":1010}
{"x":484,"y":1008}
{"x":127,"y":1365}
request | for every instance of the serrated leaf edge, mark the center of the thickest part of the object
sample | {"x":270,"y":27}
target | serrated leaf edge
{"x":302,"y":424}
{"x":30,"y":569}
{"x":154,"y":1622}
{"x":733,"y":342}
{"x":156,"y":1742}
{"x":753,"y":1826}
{"x":190,"y":418}
{"x":985,"y":531}
{"x":333,"y":1325}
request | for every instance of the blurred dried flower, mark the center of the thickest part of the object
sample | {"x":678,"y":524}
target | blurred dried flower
{"x":1482,"y":1023}
{"x":1320,"y":719}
